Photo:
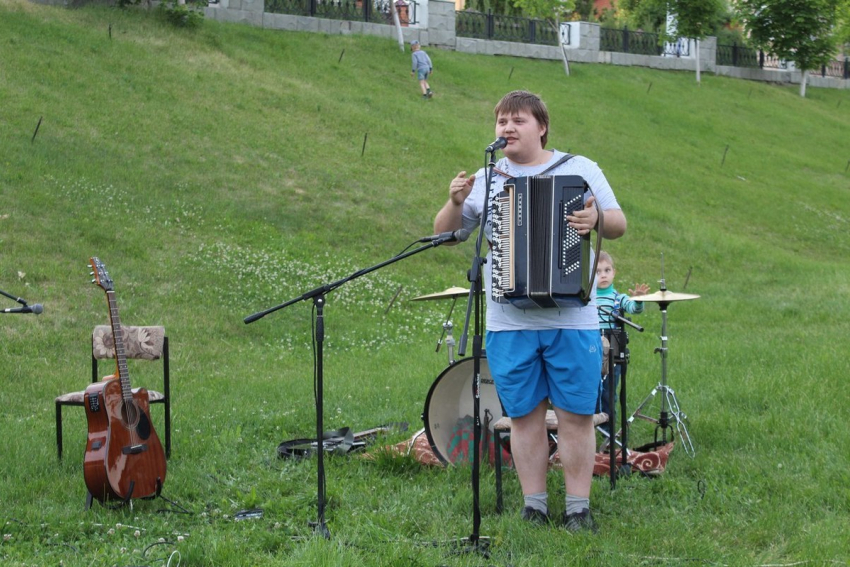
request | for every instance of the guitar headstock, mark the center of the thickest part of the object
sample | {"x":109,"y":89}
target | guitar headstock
{"x":101,"y":276}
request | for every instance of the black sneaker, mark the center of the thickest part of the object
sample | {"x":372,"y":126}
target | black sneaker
{"x":534,"y":516}
{"x":579,"y":522}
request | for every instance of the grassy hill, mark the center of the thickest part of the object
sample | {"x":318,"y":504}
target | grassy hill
{"x":227,"y":170}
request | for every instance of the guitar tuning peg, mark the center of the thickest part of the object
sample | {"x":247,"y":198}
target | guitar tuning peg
{"x":93,"y":281}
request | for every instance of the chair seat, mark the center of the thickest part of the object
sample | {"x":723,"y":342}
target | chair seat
{"x":504,"y":424}
{"x":76,"y":398}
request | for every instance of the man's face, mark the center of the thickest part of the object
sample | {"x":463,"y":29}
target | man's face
{"x":522,"y":131}
{"x":604,"y":274}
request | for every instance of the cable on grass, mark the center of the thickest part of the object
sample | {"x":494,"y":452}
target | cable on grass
{"x":64,"y":544}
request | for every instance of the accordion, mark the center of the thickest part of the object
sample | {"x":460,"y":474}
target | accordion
{"x":538,"y":260}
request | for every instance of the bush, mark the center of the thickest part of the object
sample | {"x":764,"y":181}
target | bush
{"x":181,"y":15}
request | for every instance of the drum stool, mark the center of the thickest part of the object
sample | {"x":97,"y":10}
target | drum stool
{"x":502,"y":428}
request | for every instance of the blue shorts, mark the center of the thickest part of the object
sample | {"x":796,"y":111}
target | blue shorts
{"x":422,"y":73}
{"x":563,"y":365}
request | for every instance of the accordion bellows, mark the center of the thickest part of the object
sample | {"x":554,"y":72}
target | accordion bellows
{"x":538,"y":260}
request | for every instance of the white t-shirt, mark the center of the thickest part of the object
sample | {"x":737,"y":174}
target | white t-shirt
{"x":504,"y":316}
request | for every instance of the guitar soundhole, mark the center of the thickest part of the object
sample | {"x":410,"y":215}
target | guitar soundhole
{"x":135,"y":419}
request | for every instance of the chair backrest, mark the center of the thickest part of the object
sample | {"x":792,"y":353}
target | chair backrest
{"x":139,"y":342}
{"x":147,"y":343}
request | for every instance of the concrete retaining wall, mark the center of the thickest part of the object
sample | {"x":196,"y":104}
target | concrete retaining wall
{"x":582,"y":41}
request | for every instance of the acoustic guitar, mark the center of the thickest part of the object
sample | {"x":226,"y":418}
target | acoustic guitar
{"x":124,"y":458}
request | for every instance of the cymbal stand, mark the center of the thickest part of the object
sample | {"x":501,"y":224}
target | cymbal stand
{"x":447,"y":333}
{"x":668,"y":396}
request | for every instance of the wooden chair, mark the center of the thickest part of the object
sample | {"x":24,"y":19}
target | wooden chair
{"x":145,"y":343}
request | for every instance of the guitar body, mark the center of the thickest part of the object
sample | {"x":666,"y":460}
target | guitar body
{"x":124,"y":458}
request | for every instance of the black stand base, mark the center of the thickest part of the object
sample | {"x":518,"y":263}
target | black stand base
{"x":473,"y":545}
{"x":320,"y":528}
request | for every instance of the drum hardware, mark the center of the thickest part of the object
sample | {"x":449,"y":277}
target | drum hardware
{"x":453,"y":293}
{"x":671,"y":414}
{"x":450,"y":341}
{"x":618,"y":355}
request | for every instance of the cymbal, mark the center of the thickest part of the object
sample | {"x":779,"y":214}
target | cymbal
{"x":664,"y":297}
{"x":451,"y":292}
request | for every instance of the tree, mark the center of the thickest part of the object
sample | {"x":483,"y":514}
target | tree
{"x":843,"y":25}
{"x":802,"y":31}
{"x":696,"y":19}
{"x":693,"y":19}
{"x":552,"y":12}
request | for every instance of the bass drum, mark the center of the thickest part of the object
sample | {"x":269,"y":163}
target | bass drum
{"x":450,"y":399}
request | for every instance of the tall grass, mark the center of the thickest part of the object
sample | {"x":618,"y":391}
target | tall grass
{"x":223,"y":171}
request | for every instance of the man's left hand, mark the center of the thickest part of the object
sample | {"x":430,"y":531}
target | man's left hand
{"x":585,"y":219}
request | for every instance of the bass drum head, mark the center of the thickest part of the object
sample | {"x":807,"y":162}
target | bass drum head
{"x":450,"y":399}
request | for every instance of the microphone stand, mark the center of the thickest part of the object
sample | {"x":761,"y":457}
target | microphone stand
{"x":476,"y":294}
{"x":20,"y":300}
{"x":318,"y":296}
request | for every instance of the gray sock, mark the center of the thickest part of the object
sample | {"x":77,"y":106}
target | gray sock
{"x":576,"y":504}
{"x":537,"y":501}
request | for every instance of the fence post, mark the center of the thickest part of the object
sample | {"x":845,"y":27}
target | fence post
{"x":761,"y":59}
{"x":625,"y":39}
{"x":847,"y":67}
{"x":490,"y":24}
{"x":532,"y":31}
{"x":735,"y":54}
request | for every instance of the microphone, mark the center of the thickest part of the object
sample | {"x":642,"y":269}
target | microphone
{"x":37,"y":308}
{"x":497,"y":144}
{"x":460,"y":235}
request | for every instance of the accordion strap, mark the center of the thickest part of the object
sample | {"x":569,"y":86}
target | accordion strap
{"x":563,"y":160}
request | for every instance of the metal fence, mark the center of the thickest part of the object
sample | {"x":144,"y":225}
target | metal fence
{"x":641,"y":43}
{"x":375,"y":11}
{"x":742,"y":56}
{"x":836,"y":68}
{"x":504,"y":28}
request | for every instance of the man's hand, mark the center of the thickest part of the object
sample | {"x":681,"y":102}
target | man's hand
{"x":460,"y":188}
{"x":585,"y":219}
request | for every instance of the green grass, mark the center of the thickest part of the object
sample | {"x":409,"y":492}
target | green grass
{"x":222,"y":172}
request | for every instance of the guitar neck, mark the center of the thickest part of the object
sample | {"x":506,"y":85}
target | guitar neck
{"x":120,"y":355}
